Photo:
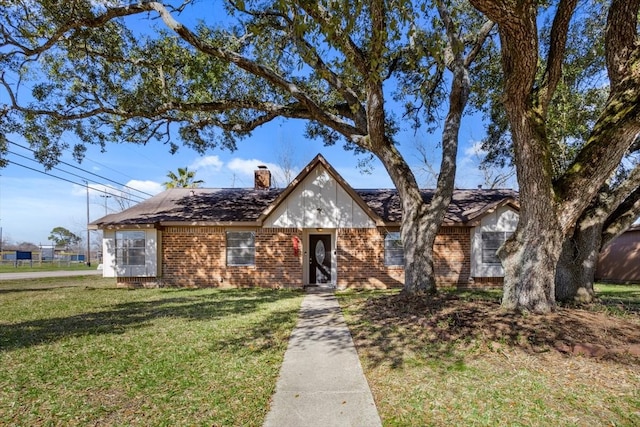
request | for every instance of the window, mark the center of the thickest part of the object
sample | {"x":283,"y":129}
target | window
{"x":130,"y":246}
{"x":393,"y":249}
{"x":491,"y":242}
{"x":241,"y":248}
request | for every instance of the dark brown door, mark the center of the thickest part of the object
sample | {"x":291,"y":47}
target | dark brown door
{"x":319,"y":259}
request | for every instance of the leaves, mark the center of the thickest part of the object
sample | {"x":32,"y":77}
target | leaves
{"x":63,"y":237}
{"x":183,"y":179}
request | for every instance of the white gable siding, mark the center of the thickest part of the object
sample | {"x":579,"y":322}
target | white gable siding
{"x":502,"y":219}
{"x":111,"y":269}
{"x":319,"y":202}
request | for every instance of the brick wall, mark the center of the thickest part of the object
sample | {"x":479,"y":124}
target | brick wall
{"x":196,"y":257}
{"x":360,"y":255}
{"x":361,"y":258}
{"x":452,"y":253}
{"x":137,"y":282}
{"x":486,"y":282}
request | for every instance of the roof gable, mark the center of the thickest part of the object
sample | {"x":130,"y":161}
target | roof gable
{"x":467,"y":206}
{"x":197,"y":206}
{"x":320,"y":197}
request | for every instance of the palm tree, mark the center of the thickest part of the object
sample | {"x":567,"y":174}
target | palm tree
{"x":184,"y":179}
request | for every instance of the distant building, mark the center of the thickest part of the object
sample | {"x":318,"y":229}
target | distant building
{"x":620,"y":260}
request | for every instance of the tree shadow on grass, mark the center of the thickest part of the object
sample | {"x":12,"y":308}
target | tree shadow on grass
{"x":446,"y":329}
{"x":119,"y":318}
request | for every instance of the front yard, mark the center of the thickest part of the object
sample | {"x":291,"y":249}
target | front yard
{"x":91,"y":354}
{"x":461,"y":361}
{"x":77,"y":351}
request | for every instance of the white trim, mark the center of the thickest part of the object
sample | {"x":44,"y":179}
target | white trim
{"x":505,"y":218}
{"x":151,"y":255}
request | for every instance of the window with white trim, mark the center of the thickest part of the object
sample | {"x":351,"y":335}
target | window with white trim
{"x":241,"y":248}
{"x":491,"y":242}
{"x":130,"y":248}
{"x":393,"y":249}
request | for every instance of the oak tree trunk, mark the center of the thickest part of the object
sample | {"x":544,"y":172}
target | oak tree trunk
{"x":576,"y":269}
{"x":529,"y":259}
{"x":418,"y":233}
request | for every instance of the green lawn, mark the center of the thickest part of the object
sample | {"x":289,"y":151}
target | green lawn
{"x":25,"y":266}
{"x":464,"y":364}
{"x":77,"y":351}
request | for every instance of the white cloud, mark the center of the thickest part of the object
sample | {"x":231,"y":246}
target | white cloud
{"x":208,"y":162}
{"x":247,"y":167}
{"x":475,"y":149}
{"x":151,"y":187}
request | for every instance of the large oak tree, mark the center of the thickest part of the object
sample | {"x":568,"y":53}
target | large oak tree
{"x":575,"y":108}
{"x":551,"y":204}
{"x":110,"y":72}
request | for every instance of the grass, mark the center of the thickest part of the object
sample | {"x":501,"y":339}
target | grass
{"x":25,"y":266}
{"x":619,"y":299}
{"x":77,"y":351}
{"x":434,"y":369}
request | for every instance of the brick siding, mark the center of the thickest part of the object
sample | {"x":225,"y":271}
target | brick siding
{"x":361,"y":260}
{"x":486,"y":282}
{"x":452,"y":256}
{"x":196,"y":257}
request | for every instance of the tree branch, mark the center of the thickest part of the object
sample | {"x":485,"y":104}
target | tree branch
{"x":622,"y":218}
{"x":336,"y":35}
{"x":555,"y":58}
{"x":481,"y":37}
{"x":621,"y":38}
{"x":256,"y":69}
{"x":611,"y":137}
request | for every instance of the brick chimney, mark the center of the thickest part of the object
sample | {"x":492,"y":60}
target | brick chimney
{"x":262,"y":178}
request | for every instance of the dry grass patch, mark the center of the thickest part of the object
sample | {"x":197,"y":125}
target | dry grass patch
{"x":459,"y":360}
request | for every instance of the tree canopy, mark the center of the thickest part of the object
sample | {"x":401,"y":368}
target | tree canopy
{"x":107,"y":72}
{"x":63,"y":237}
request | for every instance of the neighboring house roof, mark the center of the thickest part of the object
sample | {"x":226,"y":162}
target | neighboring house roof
{"x":234,"y":206}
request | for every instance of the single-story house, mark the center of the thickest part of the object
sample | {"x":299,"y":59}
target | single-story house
{"x":316,"y":231}
{"x":619,"y":261}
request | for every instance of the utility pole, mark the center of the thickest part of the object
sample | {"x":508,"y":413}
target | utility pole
{"x":105,"y":201}
{"x":88,"y":260}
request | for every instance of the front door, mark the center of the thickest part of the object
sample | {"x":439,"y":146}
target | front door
{"x":319,"y":259}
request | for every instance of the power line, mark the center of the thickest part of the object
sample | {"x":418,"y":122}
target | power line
{"x":86,"y":171}
{"x":62,"y":170}
{"x":13,"y":162}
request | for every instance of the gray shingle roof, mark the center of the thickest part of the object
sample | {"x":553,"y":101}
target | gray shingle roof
{"x":465,"y":206}
{"x":202,"y":206}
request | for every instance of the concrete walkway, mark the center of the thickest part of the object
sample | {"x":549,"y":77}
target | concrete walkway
{"x":321,"y":381}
